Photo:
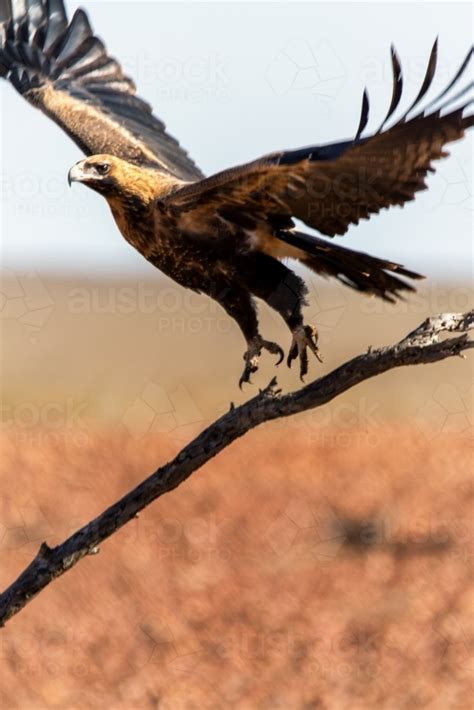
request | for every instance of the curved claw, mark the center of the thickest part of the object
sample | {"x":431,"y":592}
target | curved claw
{"x":249,"y":369}
{"x":304,"y":337}
{"x":274,"y":349}
{"x":252,"y":357}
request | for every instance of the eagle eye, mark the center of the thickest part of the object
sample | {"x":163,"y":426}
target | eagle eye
{"x":102,"y":168}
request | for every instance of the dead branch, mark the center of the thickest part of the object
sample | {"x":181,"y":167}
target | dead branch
{"x":422,"y":346}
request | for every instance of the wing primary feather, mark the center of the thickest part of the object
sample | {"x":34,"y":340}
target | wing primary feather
{"x":57,"y":24}
{"x":22,"y":30}
{"x":5,"y":14}
{"x":427,"y":81}
{"x":93,"y":58}
{"x":456,"y":97}
{"x":75,"y":53}
{"x":56,"y":12}
{"x":65,"y":71}
{"x":397,"y":89}
{"x":364,"y":115}
{"x":11,"y":54}
{"x":10,"y":31}
{"x":18,"y":11}
{"x":78,"y":32}
{"x":453,"y":81}
{"x":35,"y":15}
{"x":29,"y":55}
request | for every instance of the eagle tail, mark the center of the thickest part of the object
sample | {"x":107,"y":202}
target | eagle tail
{"x":355,"y":269}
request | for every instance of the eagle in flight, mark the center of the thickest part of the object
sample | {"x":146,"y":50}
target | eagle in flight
{"x":228,"y":235}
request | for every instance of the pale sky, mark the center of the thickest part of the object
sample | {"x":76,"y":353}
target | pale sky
{"x":233,"y":81}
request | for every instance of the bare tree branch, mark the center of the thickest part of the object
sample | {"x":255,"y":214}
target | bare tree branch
{"x":422,"y":346}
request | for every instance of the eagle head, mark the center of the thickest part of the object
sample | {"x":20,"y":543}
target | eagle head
{"x":99,"y":172}
{"x":117,"y":179}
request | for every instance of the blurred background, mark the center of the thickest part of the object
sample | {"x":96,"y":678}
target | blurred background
{"x":320,"y":562}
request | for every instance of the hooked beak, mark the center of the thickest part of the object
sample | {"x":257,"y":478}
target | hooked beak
{"x":76,"y":173}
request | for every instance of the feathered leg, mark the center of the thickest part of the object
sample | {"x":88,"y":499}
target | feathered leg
{"x":273,"y":282}
{"x":240,"y":306}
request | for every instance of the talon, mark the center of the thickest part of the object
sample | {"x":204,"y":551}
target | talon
{"x":252,"y":357}
{"x":292,"y":353}
{"x":274,"y":349}
{"x":304,"y":337}
{"x":245,"y":379}
{"x":251,"y":366}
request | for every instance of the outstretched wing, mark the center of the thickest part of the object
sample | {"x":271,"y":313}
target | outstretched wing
{"x":63,"y":69}
{"x":333,"y":186}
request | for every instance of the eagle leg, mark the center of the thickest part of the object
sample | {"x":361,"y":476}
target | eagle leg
{"x":285,"y":292}
{"x":252,"y":356}
{"x":304,"y":337}
{"x":239,"y":304}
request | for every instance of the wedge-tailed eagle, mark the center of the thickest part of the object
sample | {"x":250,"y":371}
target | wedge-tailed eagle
{"x":228,"y":235}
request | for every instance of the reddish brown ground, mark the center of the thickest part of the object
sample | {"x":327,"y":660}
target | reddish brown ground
{"x":291,"y":572}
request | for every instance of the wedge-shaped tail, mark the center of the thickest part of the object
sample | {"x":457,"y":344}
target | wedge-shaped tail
{"x":360,"y":271}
